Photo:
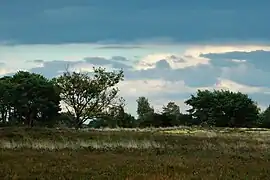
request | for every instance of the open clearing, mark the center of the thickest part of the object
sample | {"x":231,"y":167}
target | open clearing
{"x":176,"y":153}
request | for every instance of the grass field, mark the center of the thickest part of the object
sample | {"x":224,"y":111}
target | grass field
{"x":177,"y":153}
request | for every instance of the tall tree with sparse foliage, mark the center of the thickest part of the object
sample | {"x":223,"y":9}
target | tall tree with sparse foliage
{"x":144,"y":110}
{"x":89,"y":96}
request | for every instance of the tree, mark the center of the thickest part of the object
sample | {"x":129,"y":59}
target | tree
{"x":65,"y":120}
{"x":88,"y":97}
{"x":27,"y":98}
{"x":161,"y":120}
{"x":98,"y":123}
{"x":34,"y":98}
{"x":120,"y":118}
{"x":116,"y":117}
{"x":172,"y":112}
{"x":6,"y":91}
{"x":223,"y":108}
{"x":144,"y":111}
{"x":143,"y":108}
{"x":264,"y":120}
{"x":127,"y":121}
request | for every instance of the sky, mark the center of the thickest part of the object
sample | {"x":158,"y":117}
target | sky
{"x":167,"y":49}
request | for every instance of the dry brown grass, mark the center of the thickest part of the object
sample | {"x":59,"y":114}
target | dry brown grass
{"x":67,"y":154}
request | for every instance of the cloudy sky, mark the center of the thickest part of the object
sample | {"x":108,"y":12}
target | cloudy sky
{"x":168,"y":49}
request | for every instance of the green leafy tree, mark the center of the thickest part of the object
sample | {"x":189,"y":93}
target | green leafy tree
{"x":161,"y":120}
{"x":223,"y":108}
{"x":65,"y":120}
{"x":98,"y":123}
{"x":264,"y":120}
{"x":116,"y":117}
{"x":144,"y":111}
{"x":202,"y":105}
{"x":127,"y":121}
{"x":88,"y":97}
{"x":34,"y":98}
{"x":173,"y":114}
{"x":143,"y":108}
{"x":121,"y":118}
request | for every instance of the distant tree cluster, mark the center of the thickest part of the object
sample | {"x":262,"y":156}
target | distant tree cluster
{"x":29,"y":99}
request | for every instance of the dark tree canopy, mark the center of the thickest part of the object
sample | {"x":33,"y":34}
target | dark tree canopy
{"x":223,"y":108}
{"x":264,"y":120}
{"x":28,"y":98}
{"x":116,"y":117}
{"x":6,"y":99}
{"x":119,"y":118}
{"x":173,"y":114}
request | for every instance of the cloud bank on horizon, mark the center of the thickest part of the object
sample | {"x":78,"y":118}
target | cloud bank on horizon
{"x":167,"y":50}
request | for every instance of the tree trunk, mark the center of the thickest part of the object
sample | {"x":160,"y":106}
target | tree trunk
{"x":78,"y":123}
{"x":29,"y":119}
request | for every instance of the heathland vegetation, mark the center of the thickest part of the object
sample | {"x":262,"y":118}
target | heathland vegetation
{"x":223,"y":135}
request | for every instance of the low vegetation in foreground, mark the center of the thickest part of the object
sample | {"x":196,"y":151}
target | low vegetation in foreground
{"x":159,"y":153}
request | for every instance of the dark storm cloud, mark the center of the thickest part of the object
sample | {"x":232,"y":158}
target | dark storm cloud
{"x":260,"y":59}
{"x":112,"y":61}
{"x":196,"y":76}
{"x":52,"y":69}
{"x":119,"y":58}
{"x":36,"y":61}
{"x":254,"y":72}
{"x":119,"y":47}
{"x":194,"y":21}
{"x":163,"y":64}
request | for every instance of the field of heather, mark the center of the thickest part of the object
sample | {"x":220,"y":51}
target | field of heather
{"x":172,"y":153}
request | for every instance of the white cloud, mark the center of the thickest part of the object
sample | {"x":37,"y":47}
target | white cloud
{"x":4,"y":71}
{"x":82,"y":67}
{"x":238,"y":60}
{"x":175,"y":61}
{"x":227,"y":84}
{"x":150,"y":87}
{"x":191,"y":56}
{"x":197,"y":50}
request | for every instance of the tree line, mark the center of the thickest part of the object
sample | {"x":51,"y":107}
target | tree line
{"x":30,"y":99}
